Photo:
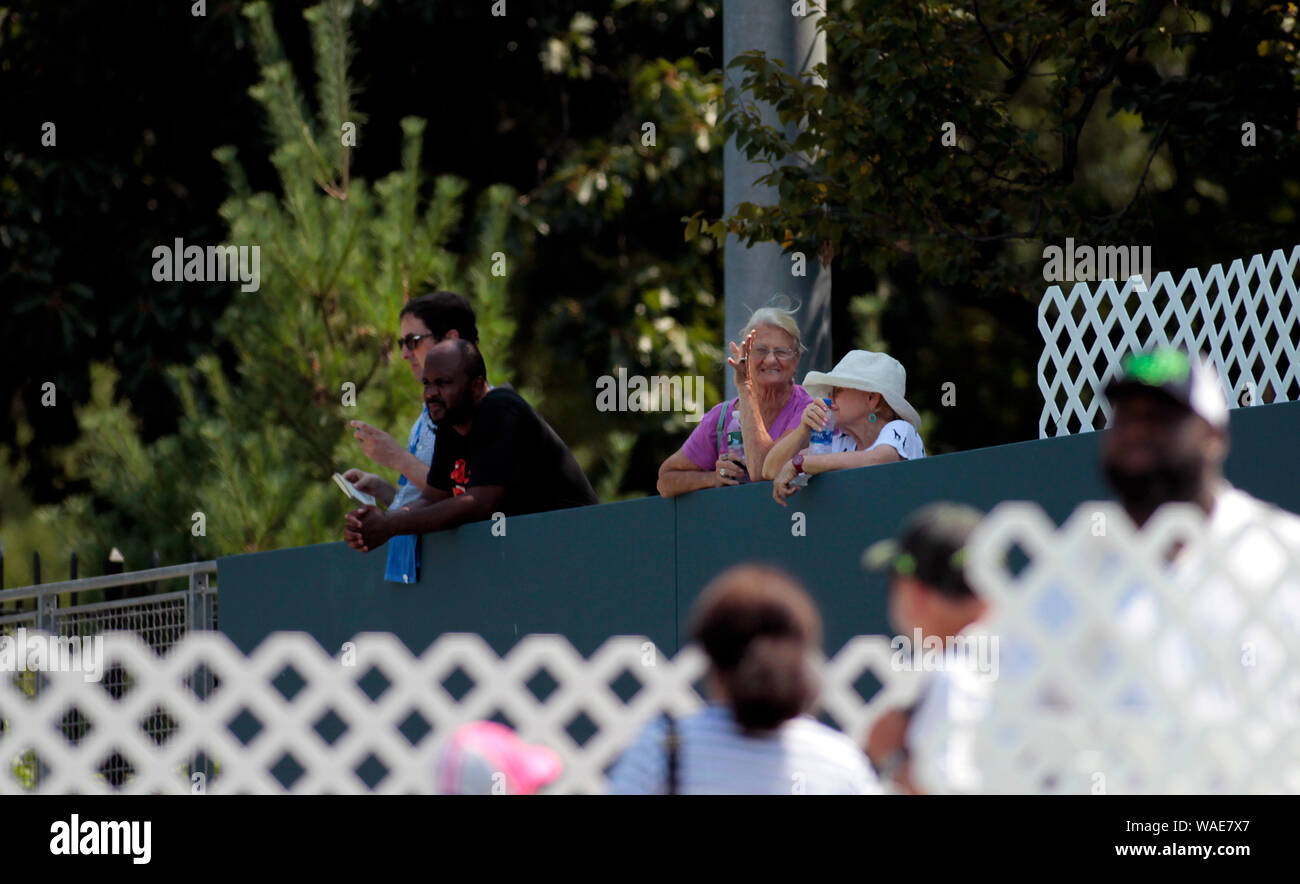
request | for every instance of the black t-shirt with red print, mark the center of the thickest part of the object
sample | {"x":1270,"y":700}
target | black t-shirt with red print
{"x":510,"y":445}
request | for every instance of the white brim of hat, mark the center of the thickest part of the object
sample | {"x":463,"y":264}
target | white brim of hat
{"x":819,"y":384}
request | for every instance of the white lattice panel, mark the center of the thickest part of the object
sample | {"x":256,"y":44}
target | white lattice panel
{"x":1143,"y":681}
{"x":288,"y":725}
{"x":1244,"y":319}
{"x":1123,"y":671}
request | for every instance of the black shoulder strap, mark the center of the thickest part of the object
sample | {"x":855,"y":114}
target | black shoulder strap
{"x":672,"y":744}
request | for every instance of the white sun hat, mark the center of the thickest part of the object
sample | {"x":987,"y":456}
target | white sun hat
{"x":870,"y":372}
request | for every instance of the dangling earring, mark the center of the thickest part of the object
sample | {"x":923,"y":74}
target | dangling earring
{"x":871,"y":418}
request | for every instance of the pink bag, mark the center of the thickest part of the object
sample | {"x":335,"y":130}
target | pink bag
{"x":486,"y":758}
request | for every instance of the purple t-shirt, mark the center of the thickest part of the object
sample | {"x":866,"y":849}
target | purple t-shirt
{"x":702,"y":445}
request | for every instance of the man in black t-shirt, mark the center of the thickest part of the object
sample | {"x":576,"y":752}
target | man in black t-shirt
{"x":494,"y":455}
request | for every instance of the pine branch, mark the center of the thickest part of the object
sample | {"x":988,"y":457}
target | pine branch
{"x":334,"y":91}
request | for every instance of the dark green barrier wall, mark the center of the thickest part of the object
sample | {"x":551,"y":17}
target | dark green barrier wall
{"x":586,"y":573}
{"x":634,"y":568}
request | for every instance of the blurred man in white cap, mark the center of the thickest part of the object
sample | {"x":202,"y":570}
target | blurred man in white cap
{"x":1214,"y":661}
{"x":1167,"y":443}
{"x":874,"y":422}
{"x":1168,"y":435}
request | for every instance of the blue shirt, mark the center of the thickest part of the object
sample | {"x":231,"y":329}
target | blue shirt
{"x":404,"y":549}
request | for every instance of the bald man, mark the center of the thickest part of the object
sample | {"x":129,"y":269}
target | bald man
{"x":495,"y":454}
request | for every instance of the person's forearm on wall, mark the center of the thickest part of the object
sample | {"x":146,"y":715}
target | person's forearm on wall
{"x":674,"y":482}
{"x":429,"y":497}
{"x":679,"y":474}
{"x":784,"y":449}
{"x":824,"y":463}
{"x":426,"y":516}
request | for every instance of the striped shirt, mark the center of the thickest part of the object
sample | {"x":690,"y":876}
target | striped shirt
{"x":715,"y":757}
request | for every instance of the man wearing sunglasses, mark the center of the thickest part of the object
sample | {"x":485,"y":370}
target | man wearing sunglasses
{"x":424,"y":321}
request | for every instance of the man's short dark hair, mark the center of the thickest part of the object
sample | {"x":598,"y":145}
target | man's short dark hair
{"x":471,"y":360}
{"x":442,"y":312}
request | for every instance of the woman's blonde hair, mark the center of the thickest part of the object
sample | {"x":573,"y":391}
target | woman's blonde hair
{"x":776,"y":317}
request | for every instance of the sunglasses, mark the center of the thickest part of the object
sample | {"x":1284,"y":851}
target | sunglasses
{"x":410,"y":342}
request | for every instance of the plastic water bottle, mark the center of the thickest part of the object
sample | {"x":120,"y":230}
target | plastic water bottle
{"x":821,"y":439}
{"x":736,"y":445}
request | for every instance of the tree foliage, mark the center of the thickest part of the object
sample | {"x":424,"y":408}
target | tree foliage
{"x":339,"y":257}
{"x":948,"y":143}
{"x":550,"y":100}
{"x":1027,"y":90}
{"x":127,"y":166}
{"x":1126,"y":127}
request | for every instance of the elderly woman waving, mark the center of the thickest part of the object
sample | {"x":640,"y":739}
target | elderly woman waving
{"x":732,"y":442}
{"x":874,"y":422}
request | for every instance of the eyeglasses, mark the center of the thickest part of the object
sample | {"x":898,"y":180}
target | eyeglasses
{"x":410,"y":342}
{"x":782,"y":353}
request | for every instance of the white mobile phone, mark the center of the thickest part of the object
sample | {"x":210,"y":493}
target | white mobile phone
{"x":351,"y":491}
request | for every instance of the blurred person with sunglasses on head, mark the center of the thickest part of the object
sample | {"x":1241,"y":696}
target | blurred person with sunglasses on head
{"x":929,"y":602}
{"x":424,"y":321}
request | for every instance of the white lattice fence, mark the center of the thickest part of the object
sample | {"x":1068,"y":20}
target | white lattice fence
{"x":1244,"y":319}
{"x":1124,"y":670}
{"x":1120,"y":669}
{"x":355,"y":698}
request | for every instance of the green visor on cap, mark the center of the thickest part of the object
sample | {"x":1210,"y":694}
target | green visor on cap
{"x":931,"y":547}
{"x":1157,"y":368}
{"x":888,"y":555}
{"x":1176,"y":375}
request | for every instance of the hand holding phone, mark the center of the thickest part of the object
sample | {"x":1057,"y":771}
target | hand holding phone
{"x":351,"y":491}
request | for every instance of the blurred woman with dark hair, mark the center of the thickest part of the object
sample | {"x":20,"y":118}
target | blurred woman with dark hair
{"x":757,"y":627}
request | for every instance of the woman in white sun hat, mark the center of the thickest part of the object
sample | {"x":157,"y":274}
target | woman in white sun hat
{"x":874,"y":422}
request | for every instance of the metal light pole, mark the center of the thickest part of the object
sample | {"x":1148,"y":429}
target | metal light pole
{"x":754,"y":276}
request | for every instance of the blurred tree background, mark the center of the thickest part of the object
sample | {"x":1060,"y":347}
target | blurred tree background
{"x":176,"y":398}
{"x":183,"y":397}
{"x":1119,"y":128}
